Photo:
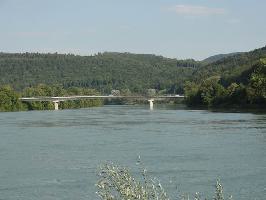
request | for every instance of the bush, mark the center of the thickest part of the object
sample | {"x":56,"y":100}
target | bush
{"x":117,"y":183}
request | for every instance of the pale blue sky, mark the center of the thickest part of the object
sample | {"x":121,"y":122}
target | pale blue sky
{"x":173,"y":28}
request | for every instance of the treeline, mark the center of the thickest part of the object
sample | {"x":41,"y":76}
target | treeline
{"x":135,"y":73}
{"x":250,"y":89}
{"x":9,"y":98}
{"x":103,"y":72}
{"x":231,"y":68}
{"x":123,"y":71}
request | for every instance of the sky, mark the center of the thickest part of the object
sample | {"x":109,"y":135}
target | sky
{"x":172,"y":28}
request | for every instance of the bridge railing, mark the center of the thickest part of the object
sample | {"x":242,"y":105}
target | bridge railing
{"x":56,"y":100}
{"x":77,"y":97}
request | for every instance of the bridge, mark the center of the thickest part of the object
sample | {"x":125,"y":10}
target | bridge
{"x":57,"y":100}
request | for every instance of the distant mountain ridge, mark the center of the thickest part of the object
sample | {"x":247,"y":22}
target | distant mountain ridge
{"x":230,"y":67}
{"x":217,"y":57}
{"x":123,"y":71}
{"x":104,"y":71}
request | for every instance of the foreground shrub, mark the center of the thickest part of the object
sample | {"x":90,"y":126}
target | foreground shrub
{"x":117,"y":183}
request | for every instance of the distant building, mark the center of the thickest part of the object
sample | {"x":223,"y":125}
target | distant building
{"x":115,"y":92}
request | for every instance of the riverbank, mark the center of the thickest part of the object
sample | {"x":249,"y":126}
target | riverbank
{"x":255,"y":109}
{"x":9,"y":98}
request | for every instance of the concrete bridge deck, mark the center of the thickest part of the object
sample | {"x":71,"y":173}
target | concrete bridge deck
{"x":56,"y":100}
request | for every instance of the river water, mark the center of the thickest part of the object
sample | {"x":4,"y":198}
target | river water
{"x":54,"y":154}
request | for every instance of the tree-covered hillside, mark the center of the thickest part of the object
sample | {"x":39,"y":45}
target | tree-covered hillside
{"x":104,"y":72}
{"x":212,"y":92}
{"x":238,"y":80}
{"x":230,"y":68}
{"x":133,"y":73}
{"x":215,"y":58}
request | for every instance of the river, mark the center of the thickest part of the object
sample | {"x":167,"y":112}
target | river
{"x":53,"y":155}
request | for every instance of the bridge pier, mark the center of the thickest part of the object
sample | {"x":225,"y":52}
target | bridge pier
{"x":151,"y":103}
{"x":57,"y":99}
{"x":56,"y":105}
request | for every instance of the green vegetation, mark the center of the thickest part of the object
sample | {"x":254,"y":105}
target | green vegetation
{"x":231,"y":79}
{"x":215,"y":58}
{"x":117,"y":183}
{"x":9,"y":98}
{"x":250,"y":90}
{"x":103,"y":72}
{"x":44,"y":90}
{"x":235,"y":68}
{"x":123,"y":71}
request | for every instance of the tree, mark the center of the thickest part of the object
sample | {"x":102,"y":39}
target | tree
{"x":192,"y":94}
{"x":9,"y":100}
{"x":257,"y":86}
{"x":211,"y":91}
{"x":236,"y":94}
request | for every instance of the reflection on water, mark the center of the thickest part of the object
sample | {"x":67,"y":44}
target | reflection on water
{"x":54,"y":155}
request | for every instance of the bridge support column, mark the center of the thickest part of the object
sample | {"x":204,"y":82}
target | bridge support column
{"x":56,"y":104}
{"x":151,"y":103}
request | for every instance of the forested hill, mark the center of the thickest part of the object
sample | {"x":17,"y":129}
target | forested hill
{"x":239,"y":80}
{"x":215,"y":58}
{"x":124,"y":71}
{"x":104,"y":71}
{"x":230,"y":68}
